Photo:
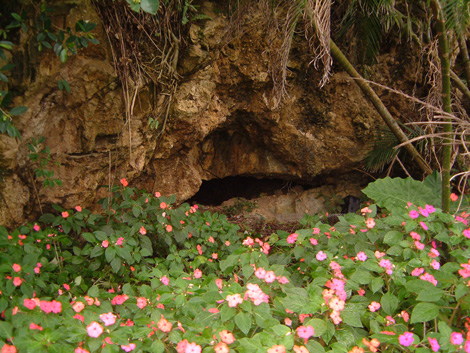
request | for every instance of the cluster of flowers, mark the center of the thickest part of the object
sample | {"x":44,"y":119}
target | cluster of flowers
{"x":265,"y":247}
{"x":336,"y":295}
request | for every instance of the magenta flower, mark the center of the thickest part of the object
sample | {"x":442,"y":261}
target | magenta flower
{"x":374,"y":306}
{"x":434,"y":344}
{"x":406,"y":339}
{"x":129,"y":347}
{"x":305,"y":332}
{"x":361,"y":256}
{"x":165,"y":280}
{"x":108,"y":319}
{"x":417,"y":271}
{"x":414,"y":214}
{"x":197,"y":273}
{"x":428,"y":277}
{"x":292,"y":238}
{"x":456,"y":338}
{"x":321,"y":256}
{"x":94,"y":329}
{"x":234,"y":300}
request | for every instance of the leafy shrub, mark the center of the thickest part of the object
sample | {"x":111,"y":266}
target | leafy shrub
{"x":148,"y":277}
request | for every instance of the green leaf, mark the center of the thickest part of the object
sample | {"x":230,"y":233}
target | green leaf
{"x":319,"y":326}
{"x":389,"y":303}
{"x":110,"y":253}
{"x":432,"y":294}
{"x":6,"y":329}
{"x":18,"y":110}
{"x":89,"y":237}
{"x":93,"y":291}
{"x":157,"y":347}
{"x":135,"y":6}
{"x":351,"y":317}
{"x":150,"y":6}
{"x":243,"y":322}
{"x":395,"y":193}
{"x":63,"y":55}
{"x":314,"y":346}
{"x":116,"y":264}
{"x":423,"y":312}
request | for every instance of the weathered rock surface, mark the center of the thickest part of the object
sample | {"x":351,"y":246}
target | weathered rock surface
{"x":221,"y":123}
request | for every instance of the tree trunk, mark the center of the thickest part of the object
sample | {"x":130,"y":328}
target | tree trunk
{"x":446,"y":103}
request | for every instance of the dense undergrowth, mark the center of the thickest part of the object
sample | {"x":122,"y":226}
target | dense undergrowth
{"x":144,"y":276}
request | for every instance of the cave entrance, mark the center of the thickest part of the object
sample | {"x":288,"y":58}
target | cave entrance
{"x":215,"y":191}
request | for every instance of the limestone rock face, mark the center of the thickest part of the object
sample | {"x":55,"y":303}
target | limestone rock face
{"x":221,"y":122}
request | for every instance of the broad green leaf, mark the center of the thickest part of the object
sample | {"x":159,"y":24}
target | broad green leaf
{"x":351,"y":318}
{"x":93,"y":291}
{"x":18,"y":110}
{"x":150,"y":6}
{"x":116,"y":264}
{"x":110,"y":253}
{"x":395,"y":193}
{"x":243,"y":322}
{"x":423,"y":312}
{"x":389,"y":303}
{"x":319,"y":326}
{"x":432,"y":294}
{"x":158,"y":347}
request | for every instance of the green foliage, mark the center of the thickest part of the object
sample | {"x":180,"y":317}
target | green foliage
{"x":152,"y":278}
{"x":40,"y":157}
{"x":240,"y":206}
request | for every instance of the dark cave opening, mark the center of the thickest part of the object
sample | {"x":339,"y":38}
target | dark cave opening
{"x":214,"y":192}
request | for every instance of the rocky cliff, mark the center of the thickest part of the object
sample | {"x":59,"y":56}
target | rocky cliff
{"x":221,"y":121}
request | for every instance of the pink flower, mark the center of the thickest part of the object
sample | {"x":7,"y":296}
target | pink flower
{"x":197,"y":273}
{"x":199,"y":249}
{"x":66,"y":286}
{"x":141,"y":302}
{"x":417,"y":271}
{"x":94,"y":329}
{"x":17,"y":281}
{"x":292,"y":238}
{"x":467,"y":346}
{"x":65,"y":214}
{"x":283,"y":280}
{"x":379,"y":254}
{"x":456,"y":338}
{"x":405,"y":316}
{"x":428,"y":277}
{"x":169,"y":228}
{"x":219,"y":283}
{"x":454,"y":197}
{"x":374,"y":306}
{"x":466,"y":233}
{"x":78,"y":209}
{"x":361,"y":256}
{"x":124,"y":182}
{"x":305,"y":332}
{"x":221,"y":347}
{"x":120,"y":241}
{"x":211,"y":239}
{"x":321,"y":256}
{"x":16,"y":268}
{"x":142,"y":230}
{"x":79,"y":317}
{"x":165,"y":280}
{"x":193,"y":348}
{"x":226,"y":337}
{"x":270,"y":277}
{"x":414,"y":214}
{"x":248,"y":241}
{"x":81,"y":350}
{"x":434,"y":344}
{"x":279,"y":348}
{"x":336,"y":304}
{"x":234,"y":300}
{"x":118,"y":299}
{"x":36,"y":228}
{"x":105,"y":243}
{"x":108,"y":319}
{"x":424,"y":212}
{"x":30,"y":303}
{"x":181,"y":346}
{"x":33,"y":326}
{"x":415,"y":236}
{"x":423,"y":225}
{"x":419,"y":245}
{"x":313,"y":241}
{"x":370,"y":223}
{"x":406,"y":339}
{"x":260,"y":273}
{"x":435,"y":265}
{"x":129,"y":347}
{"x":8,"y":349}
{"x":164,"y":325}
{"x":78,"y":306}
{"x":287,"y":321}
